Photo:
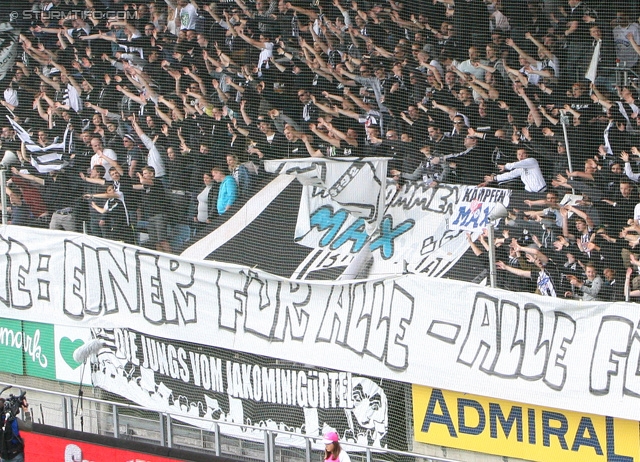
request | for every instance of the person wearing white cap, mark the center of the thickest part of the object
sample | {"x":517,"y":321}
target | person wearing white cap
{"x":332,"y":450}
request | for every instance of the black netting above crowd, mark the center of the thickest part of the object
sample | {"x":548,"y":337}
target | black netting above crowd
{"x":158,"y":116}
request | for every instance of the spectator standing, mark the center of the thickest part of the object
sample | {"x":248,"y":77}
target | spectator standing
{"x":206,"y":208}
{"x":114,"y":217}
{"x":578,"y":41}
{"x":333,"y":451}
{"x":133,"y":155}
{"x":102,"y":156}
{"x":470,"y":21}
{"x":153,"y":209}
{"x":187,"y":15}
{"x":612,"y":289}
{"x":153,"y":158}
{"x":548,"y":276}
{"x":20,"y":213}
{"x":241,"y":175}
{"x":589,"y":288}
{"x":526,"y":168}
{"x":622,"y":28}
{"x":228,"y":192}
{"x":59,"y":195}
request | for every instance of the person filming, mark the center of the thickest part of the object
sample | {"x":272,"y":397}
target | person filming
{"x":11,"y":443}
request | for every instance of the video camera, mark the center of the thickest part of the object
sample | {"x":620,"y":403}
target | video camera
{"x":12,"y":404}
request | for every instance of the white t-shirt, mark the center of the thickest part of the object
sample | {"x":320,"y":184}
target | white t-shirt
{"x":203,"y":204}
{"x":532,"y":78}
{"x":11,"y":96}
{"x":171,"y":23}
{"x":435,"y":63}
{"x":342,"y":457}
{"x":624,"y":51}
{"x":95,"y":160}
{"x":188,"y":17}
{"x":636,"y":213}
{"x":468,"y":68}
{"x":154,"y":158}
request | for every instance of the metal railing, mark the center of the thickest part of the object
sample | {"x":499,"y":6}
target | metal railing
{"x":133,"y":422}
{"x":623,"y":74}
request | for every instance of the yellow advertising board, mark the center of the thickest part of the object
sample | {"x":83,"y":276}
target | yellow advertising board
{"x":492,"y":426}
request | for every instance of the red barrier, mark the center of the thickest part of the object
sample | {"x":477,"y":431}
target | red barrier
{"x":41,"y":448}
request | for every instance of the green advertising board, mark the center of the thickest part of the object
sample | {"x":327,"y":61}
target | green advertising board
{"x":43,"y":350}
{"x":39,"y":350}
{"x":27,"y":348}
{"x":11,"y":341}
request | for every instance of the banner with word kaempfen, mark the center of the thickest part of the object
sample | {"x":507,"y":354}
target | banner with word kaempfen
{"x":422,"y":229}
{"x":419,"y":229}
{"x":441,"y":333}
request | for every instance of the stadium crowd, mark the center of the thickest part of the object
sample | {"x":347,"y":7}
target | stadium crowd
{"x":170,"y":109}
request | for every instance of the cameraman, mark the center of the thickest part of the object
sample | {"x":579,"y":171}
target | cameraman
{"x":11,"y":443}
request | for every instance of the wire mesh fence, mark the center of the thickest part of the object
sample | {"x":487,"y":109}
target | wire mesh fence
{"x":138,"y":424}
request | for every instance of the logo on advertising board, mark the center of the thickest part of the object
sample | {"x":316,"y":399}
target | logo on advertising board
{"x":67,"y":341}
{"x":493,"y":426}
{"x":27,"y":348}
{"x":39,"y":356}
{"x":42,"y":350}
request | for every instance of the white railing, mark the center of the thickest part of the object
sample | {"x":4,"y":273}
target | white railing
{"x":130,"y":421}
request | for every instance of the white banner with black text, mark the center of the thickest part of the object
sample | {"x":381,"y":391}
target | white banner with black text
{"x":440,"y":333}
